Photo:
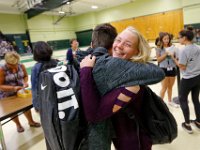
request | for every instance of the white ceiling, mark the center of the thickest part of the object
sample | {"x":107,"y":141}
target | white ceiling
{"x":77,"y":6}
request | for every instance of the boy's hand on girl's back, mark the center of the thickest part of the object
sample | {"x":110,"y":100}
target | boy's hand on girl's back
{"x":88,"y":61}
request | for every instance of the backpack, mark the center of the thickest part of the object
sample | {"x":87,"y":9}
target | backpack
{"x":61,"y":115}
{"x":35,"y":73}
{"x":155,"y":119}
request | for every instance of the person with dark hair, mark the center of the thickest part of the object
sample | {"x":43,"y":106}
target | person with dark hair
{"x":103,"y":35}
{"x":100,"y":133}
{"x":190,"y":28}
{"x":190,"y":69}
{"x":71,"y":52}
{"x":42,"y":53}
{"x":163,"y":54}
{"x":14,"y":77}
{"x":157,"y":42}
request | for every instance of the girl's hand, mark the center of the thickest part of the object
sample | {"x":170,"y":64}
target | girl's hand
{"x":88,"y":61}
{"x":167,"y":53}
{"x":171,"y":54}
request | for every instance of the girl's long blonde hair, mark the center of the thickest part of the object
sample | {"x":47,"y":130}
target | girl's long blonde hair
{"x":143,"y":47}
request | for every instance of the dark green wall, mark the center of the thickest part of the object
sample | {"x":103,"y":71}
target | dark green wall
{"x":84,"y":37}
{"x":59,"y":44}
{"x":195,"y":26}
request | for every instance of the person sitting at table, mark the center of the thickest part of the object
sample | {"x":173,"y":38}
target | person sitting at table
{"x":14,"y":77}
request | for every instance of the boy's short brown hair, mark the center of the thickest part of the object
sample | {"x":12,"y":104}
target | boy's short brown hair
{"x":103,"y":35}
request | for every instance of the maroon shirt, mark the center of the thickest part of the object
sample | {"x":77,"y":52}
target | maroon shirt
{"x":98,"y":108}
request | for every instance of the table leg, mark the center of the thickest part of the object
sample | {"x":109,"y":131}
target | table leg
{"x":2,"y":141}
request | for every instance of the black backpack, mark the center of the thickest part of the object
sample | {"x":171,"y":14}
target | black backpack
{"x":155,"y":119}
{"x":61,"y":112}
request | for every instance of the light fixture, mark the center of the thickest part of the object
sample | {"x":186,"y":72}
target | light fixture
{"x":61,"y":12}
{"x":94,"y":7}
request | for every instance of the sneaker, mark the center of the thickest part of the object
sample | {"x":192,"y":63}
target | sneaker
{"x":187,"y":128}
{"x":176,"y":100}
{"x":173,"y":104}
{"x":195,"y":124}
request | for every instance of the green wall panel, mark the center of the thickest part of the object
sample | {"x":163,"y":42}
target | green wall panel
{"x":58,"y":44}
{"x":84,"y":37}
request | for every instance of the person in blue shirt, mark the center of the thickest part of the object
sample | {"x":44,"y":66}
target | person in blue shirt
{"x":42,"y":53}
{"x":71,"y":52}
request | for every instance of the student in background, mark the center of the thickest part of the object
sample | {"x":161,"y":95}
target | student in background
{"x":190,"y":82}
{"x":198,"y":36}
{"x":163,"y":54}
{"x":42,"y":53}
{"x":14,"y":77}
{"x":191,"y":28}
{"x":71,"y":52}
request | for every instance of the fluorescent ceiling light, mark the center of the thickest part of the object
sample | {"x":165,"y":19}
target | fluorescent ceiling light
{"x":94,"y":7}
{"x":61,"y":12}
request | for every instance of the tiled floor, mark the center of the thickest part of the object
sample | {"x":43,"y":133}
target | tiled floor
{"x":32,"y":138}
